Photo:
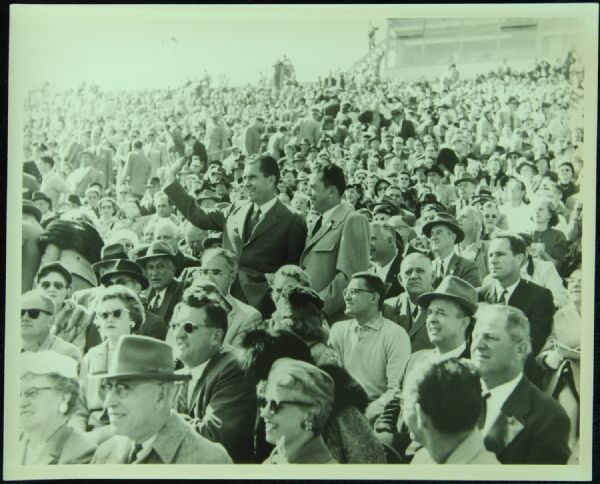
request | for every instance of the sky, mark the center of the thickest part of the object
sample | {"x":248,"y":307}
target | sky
{"x":156,"y":46}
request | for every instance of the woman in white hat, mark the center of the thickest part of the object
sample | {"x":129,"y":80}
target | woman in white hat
{"x":49,"y":395}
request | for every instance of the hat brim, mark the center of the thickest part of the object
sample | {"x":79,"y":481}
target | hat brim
{"x":140,"y":278}
{"x":460,"y":235}
{"x":148,"y":258}
{"x":102,"y":263}
{"x":460,"y":180}
{"x":425,"y":299}
{"x":141,"y":376}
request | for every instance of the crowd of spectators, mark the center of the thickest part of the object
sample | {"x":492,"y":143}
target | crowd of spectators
{"x":355,"y":270}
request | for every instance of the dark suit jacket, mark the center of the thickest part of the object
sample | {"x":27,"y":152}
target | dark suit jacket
{"x":223,"y":392}
{"x":184,"y":262}
{"x":154,"y":326}
{"x":538,"y":305}
{"x":395,"y":309}
{"x":532,"y":429}
{"x":391,"y":280}
{"x":277,"y":240}
{"x":169,"y":301}
{"x":464,"y":268}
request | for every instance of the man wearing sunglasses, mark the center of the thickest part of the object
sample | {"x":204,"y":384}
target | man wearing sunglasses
{"x":37,"y":316}
{"x":220,"y":401}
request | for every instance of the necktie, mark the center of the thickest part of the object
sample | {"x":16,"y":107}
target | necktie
{"x":134,"y":452}
{"x":503,"y":299}
{"x":155,"y":304}
{"x":252,"y":221}
{"x":317,"y":226}
{"x":182,"y":399}
{"x":483,"y":414}
{"x":440,"y":269}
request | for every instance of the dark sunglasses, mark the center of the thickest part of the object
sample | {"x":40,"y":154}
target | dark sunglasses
{"x":115,"y":313}
{"x":188,"y":326}
{"x":275,"y":406}
{"x":33,"y":313}
{"x":48,"y":284}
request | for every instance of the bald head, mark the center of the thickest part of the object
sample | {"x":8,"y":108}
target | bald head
{"x":168,"y":232}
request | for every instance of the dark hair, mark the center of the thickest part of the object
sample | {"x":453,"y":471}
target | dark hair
{"x":261,"y":348}
{"x":48,"y":160}
{"x":137,"y":144}
{"x":517,"y":244}
{"x":450,"y":393}
{"x":216,"y":315}
{"x":333,"y":175}
{"x":373,"y":283}
{"x":306,"y":315}
{"x":268,"y":166}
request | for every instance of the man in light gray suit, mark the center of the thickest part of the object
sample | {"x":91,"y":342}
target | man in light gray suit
{"x":337,"y":246}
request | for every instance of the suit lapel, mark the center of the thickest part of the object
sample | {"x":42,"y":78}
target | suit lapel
{"x":240,"y":220}
{"x":270,"y":219}
{"x":337,"y":217}
{"x":418,"y":324}
{"x":451,"y":265}
{"x":517,"y":296}
{"x":511,"y":420}
{"x":199,"y":389}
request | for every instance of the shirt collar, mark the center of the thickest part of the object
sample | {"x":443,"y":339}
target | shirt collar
{"x":503,"y":391}
{"x":446,"y":260}
{"x":455,"y":353}
{"x":197,"y":371}
{"x":374,"y":323}
{"x":265,"y":207}
{"x":510,"y":289}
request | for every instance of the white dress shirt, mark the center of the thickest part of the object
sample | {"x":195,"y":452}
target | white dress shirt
{"x":382,"y":271}
{"x":455,"y":353}
{"x":498,"y":396}
{"x":445,"y":261}
{"x":509,"y":290}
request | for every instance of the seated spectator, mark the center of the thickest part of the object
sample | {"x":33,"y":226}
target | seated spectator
{"x":442,"y":405}
{"x":522,"y":424}
{"x":373,"y":349}
{"x":37,"y":317}
{"x":49,"y":394}
{"x":547,"y":243}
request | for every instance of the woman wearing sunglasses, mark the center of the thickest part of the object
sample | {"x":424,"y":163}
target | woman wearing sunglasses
{"x":119,"y":312}
{"x":72,"y":322}
{"x":295,"y":406}
{"x":49,"y":394}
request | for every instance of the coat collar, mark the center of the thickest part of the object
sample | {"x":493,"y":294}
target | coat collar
{"x":467,"y":450}
{"x":169,"y":438}
{"x":270,"y":219}
{"x":512,"y":418}
{"x":337,"y":217}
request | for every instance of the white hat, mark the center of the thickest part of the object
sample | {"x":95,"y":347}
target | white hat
{"x":45,"y":362}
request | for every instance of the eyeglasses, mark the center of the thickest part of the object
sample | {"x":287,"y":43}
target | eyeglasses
{"x":33,"y":392}
{"x":33,"y":313}
{"x":354,"y":291}
{"x":115,"y":313}
{"x":188,"y":326}
{"x":275,"y":406}
{"x":48,"y":284}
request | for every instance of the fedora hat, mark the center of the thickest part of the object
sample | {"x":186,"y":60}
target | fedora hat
{"x":109,"y":254}
{"x":455,"y":289}
{"x":42,"y":196}
{"x":206,"y":195}
{"x":526,"y":163}
{"x":142,"y":357}
{"x":449,"y":221}
{"x":434,"y":169}
{"x":126,"y":267}
{"x":158,"y":249}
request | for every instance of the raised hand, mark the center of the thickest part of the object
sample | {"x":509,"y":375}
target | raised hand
{"x":174,"y":168}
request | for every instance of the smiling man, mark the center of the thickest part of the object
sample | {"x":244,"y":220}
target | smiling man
{"x":218,"y":396}
{"x":263,"y":233}
{"x":37,"y":316}
{"x":138,"y":392}
{"x":374,"y":350}
{"x":338,"y":243}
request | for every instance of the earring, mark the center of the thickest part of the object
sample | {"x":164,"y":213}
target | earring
{"x":307,"y":424}
{"x":62,"y":408}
